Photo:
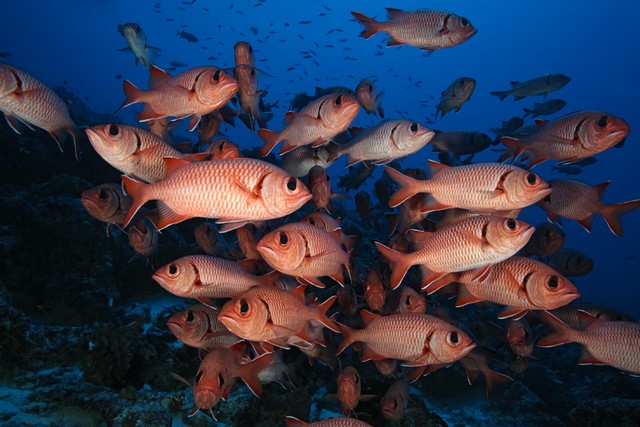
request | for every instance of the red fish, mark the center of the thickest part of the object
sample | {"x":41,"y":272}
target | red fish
{"x":349,"y":393}
{"x":519,"y":337}
{"x":369,"y":98}
{"x":476,"y":363}
{"x":329,"y":422}
{"x":198,"y":327}
{"x":107,"y":203}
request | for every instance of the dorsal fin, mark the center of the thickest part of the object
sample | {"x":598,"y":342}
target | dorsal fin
{"x":289,"y":115}
{"x":601,"y":187}
{"x":587,"y":319}
{"x":173,"y":164}
{"x":436,"y":167}
{"x":419,"y":238}
{"x":157,"y":76}
{"x":540,"y":123}
{"x":299,"y":292}
{"x":393,"y":13}
{"x":368,"y":317}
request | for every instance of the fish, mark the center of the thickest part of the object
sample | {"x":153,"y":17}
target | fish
{"x":208,"y":238}
{"x":161,"y":128}
{"x":382,"y":188}
{"x":508,"y":126}
{"x":306,"y":252}
{"x":569,"y":314}
{"x":143,"y":238}
{"x":410,"y":214}
{"x":477,"y":362}
{"x":299,"y":162}
{"x":471,"y":244}
{"x":314,"y":125}
{"x":248,"y":93}
{"x":27,"y":103}
{"x":133,"y":151}
{"x":386,"y":367}
{"x":243,"y":54}
{"x":569,"y":139}
{"x":246,"y":190}
{"x":198,"y":327}
{"x":604,"y":342}
{"x":207,"y":129}
{"x":248,"y":242}
{"x":394,"y":404}
{"x":409,"y":301}
{"x":301,"y":100}
{"x":191,"y":94}
{"x":546,"y":108}
{"x":519,"y":337}
{"x":426,"y":29}
{"x":519,"y":283}
{"x":320,"y":188}
{"x":202,"y":277}
{"x":137,"y":43}
{"x":329,"y":422}
{"x":375,"y":293}
{"x":107,"y":203}
{"x":355,"y":177}
{"x":187,"y":36}
{"x":416,"y":339}
{"x":460,"y":142}
{"x":451,"y":216}
{"x":349,"y":391}
{"x":542,"y":85}
{"x":488,"y":187}
{"x":369,"y":98}
{"x":569,"y":169}
{"x":385,"y":142}
{"x":223,"y":149}
{"x":330,"y":225}
{"x":581,"y":202}
{"x":571,"y":262}
{"x":546,"y":241}
{"x":455,"y":95}
{"x":272,"y":316}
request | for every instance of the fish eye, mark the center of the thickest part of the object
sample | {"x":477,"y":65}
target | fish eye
{"x":244,"y":306}
{"x":216,"y":76}
{"x":553,"y":282}
{"x":114,"y":130}
{"x":292,"y":184}
{"x":511,"y":223}
{"x":414,"y":127}
{"x":408,"y":301}
{"x":283,"y":238}
{"x":173,"y":269}
{"x":311,"y":221}
{"x":532,"y":178}
{"x":220,"y":380}
{"x":464,"y":22}
{"x":603,"y":121}
{"x":339,"y":100}
{"x":190,"y":316}
{"x":102,"y":195}
{"x":253,"y":71}
{"x":369,"y":87}
{"x":198,"y":377}
{"x":454,"y":338}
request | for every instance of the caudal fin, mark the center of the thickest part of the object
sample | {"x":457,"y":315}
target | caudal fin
{"x":137,"y":191}
{"x":371,"y":26}
{"x":514,"y":147}
{"x":270,"y":139}
{"x":347,"y":338}
{"x":501,"y":94}
{"x":131,"y":93}
{"x":322,"y":314}
{"x":398,"y":262}
{"x":492,"y":377}
{"x":408,"y":187}
{"x":612,"y":214}
{"x":561,"y":333}
{"x":249,"y":372}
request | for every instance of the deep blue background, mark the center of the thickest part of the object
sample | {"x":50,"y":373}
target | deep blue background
{"x":593,"y":42}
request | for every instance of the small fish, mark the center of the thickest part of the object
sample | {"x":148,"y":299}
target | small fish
{"x":488,"y":187}
{"x":455,"y":95}
{"x":395,"y":401}
{"x":243,"y":54}
{"x":546,"y":241}
{"x":460,"y":142}
{"x":301,"y":100}
{"x":306,"y":252}
{"x":409,"y":301}
{"x":248,"y":242}
{"x":604,"y":343}
{"x":248,"y":93}
{"x":569,"y":139}
{"x":579,"y":201}
{"x":386,"y":367}
{"x":427,"y":29}
{"x":137,"y":43}
{"x":571,"y":262}
{"x":472,"y":244}
{"x":300,"y":161}
{"x":192,"y":94}
{"x":477,"y":362}
{"x":546,"y":108}
{"x":508,"y":126}
{"x":177,"y":64}
{"x":375,"y":293}
{"x":198,"y":327}
{"x":320,"y":188}
{"x":369,"y":98}
{"x":385,"y":142}
{"x":107,"y":203}
{"x":27,"y":102}
{"x":382,"y":188}
{"x":161,"y":128}
{"x":569,"y":314}
{"x":187,"y":36}
{"x":223,"y":149}
{"x":247,"y":190}
{"x":349,"y":391}
{"x":329,"y":422}
{"x":542,"y":85}
{"x":569,"y":169}
{"x":143,"y":238}
{"x":207,"y":129}
{"x":519,"y":337}
{"x":355,"y":177}
{"x":519,"y":283}
{"x":314,"y":125}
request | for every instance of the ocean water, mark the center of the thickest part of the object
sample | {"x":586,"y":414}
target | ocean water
{"x":57,"y":284}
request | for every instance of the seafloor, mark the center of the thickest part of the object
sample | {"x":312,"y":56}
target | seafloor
{"x":83,"y":340}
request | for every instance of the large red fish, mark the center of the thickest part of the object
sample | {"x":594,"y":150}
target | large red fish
{"x":26,"y":101}
{"x":245,"y":190}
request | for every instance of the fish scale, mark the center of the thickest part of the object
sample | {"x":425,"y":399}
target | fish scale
{"x":614,"y":343}
{"x":417,"y":28}
{"x":573,"y":199}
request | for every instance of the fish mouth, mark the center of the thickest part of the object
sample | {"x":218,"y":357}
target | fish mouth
{"x":172,"y":324}
{"x":161,"y":281}
{"x":229,"y":322}
{"x":265,"y":250}
{"x":543,"y":193}
{"x":467,"y":350}
{"x":619,"y":134}
{"x":94,"y":139}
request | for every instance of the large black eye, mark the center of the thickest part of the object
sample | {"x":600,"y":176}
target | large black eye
{"x":220,"y":380}
{"x":244,"y":306}
{"x":216,"y":76}
{"x":190,"y":316}
{"x":102,"y":194}
{"x":114,"y":130}
{"x":173,"y":269}
{"x":414,"y":127}
{"x":253,"y":71}
{"x":292,"y":183}
{"x":339,"y":100}
{"x":511,"y":223}
{"x":369,"y":87}
{"x":221,"y":146}
{"x":283,"y":239}
{"x":454,"y":337}
{"x":408,"y":301}
{"x":464,"y":22}
{"x":553,"y":282}
{"x":603,"y":121}
{"x":532,"y":178}
{"x":311,"y":221}
{"x":198,"y":377}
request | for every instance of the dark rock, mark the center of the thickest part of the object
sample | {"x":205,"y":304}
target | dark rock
{"x":613,"y":412}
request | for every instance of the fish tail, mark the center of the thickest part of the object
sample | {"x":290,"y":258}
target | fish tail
{"x":334,"y":151}
{"x":561,"y":333}
{"x":269,"y":278}
{"x":398,"y":261}
{"x":527,"y":112}
{"x":249,"y":372}
{"x":137,"y":191}
{"x":514,"y":147}
{"x":371,"y":26}
{"x":407,"y":187}
{"x":270,"y":139}
{"x":347,"y":337}
{"x":612,"y":214}
{"x":492,"y":377}
{"x":502,"y":95}
{"x":322,"y":314}
{"x":131,"y":93}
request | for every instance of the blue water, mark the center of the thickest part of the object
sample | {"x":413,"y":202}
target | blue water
{"x":75,"y":43}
